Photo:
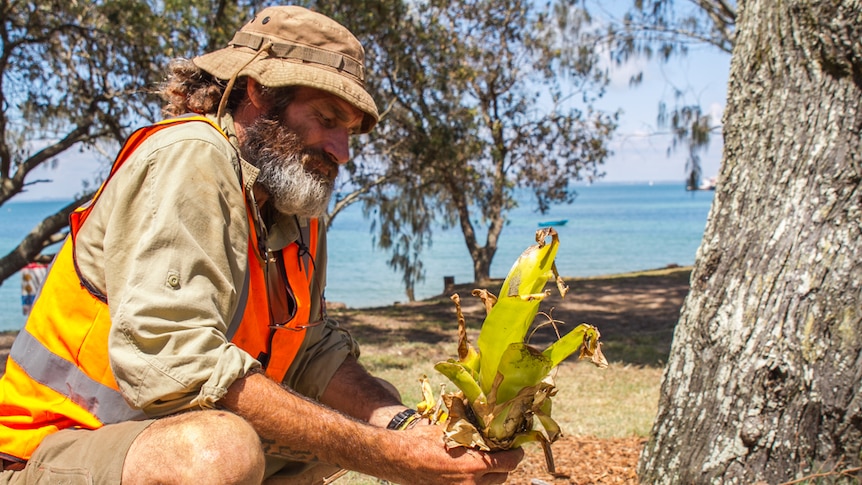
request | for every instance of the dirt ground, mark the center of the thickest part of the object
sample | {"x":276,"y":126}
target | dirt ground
{"x":635,"y":313}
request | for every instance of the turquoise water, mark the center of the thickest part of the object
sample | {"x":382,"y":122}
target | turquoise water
{"x":612,"y":228}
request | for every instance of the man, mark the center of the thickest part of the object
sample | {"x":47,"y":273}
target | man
{"x":182,"y":325}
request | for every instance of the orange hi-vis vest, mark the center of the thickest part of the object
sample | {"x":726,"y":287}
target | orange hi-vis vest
{"x":58,"y":374}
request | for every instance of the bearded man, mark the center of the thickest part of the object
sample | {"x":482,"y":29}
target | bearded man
{"x":181,"y":335}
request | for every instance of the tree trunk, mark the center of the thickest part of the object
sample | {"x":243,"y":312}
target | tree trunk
{"x":763,"y":381}
{"x":482,"y":264}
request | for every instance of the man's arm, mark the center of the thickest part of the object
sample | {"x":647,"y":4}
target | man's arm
{"x":297,"y":428}
{"x":156,"y":243}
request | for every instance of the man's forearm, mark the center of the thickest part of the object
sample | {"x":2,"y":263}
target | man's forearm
{"x":296,"y":428}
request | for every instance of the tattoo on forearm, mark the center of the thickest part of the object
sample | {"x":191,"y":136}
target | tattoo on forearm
{"x":272,"y":448}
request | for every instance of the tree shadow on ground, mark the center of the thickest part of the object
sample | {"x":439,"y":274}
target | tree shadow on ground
{"x":635,"y":313}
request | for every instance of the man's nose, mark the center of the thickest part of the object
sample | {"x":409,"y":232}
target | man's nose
{"x":338,"y":145}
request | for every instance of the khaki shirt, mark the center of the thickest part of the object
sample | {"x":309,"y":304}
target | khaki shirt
{"x":167,"y":242}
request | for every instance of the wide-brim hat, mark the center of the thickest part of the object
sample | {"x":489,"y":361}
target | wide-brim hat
{"x":301,"y":48}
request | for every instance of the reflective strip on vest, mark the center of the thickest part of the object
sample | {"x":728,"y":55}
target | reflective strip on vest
{"x":48,"y":369}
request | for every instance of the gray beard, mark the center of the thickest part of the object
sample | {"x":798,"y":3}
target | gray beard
{"x":285,"y":169}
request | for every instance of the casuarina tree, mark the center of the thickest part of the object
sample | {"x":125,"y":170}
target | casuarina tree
{"x":81,"y":76}
{"x":479,"y":98}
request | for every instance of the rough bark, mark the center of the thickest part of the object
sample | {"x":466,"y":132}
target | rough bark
{"x":763,"y":382}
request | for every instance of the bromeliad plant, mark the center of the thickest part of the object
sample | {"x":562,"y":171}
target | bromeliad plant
{"x":506,"y":382}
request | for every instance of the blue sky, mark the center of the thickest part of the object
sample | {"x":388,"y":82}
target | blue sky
{"x":640,"y":147}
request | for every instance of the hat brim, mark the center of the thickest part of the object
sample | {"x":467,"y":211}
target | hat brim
{"x":277,"y":72}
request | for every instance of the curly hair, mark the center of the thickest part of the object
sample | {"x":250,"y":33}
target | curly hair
{"x":189,"y":89}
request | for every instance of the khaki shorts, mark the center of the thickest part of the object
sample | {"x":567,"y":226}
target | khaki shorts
{"x":80,"y":456}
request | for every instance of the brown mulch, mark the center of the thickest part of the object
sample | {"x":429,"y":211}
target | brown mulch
{"x":583,"y":460}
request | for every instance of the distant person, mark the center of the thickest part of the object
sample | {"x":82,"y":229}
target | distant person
{"x":181,"y":335}
{"x":32,"y":277}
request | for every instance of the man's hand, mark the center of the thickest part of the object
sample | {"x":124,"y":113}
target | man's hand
{"x":423,"y":456}
{"x":297,"y":428}
{"x":429,"y":462}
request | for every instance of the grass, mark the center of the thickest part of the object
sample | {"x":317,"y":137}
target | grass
{"x":616,"y":402}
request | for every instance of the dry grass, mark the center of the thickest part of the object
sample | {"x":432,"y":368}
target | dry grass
{"x":598,"y":409}
{"x":605,"y":414}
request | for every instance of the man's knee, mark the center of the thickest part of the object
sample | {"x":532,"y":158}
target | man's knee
{"x":202,"y":446}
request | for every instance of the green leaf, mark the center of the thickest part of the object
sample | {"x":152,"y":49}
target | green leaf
{"x":574,"y":340}
{"x":521,"y":366}
{"x":566,"y":346}
{"x":461,"y":377}
{"x":516,"y":307}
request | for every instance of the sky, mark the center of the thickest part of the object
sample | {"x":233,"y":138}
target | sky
{"x":640,"y":146}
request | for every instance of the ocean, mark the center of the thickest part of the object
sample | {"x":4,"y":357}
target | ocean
{"x":611,"y":228}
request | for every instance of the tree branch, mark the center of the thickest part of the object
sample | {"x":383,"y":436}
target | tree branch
{"x":13,"y":185}
{"x":353,"y":197}
{"x":43,"y":235}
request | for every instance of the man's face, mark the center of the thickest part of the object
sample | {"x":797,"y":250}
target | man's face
{"x":299,"y":149}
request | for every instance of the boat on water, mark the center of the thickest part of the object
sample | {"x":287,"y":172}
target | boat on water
{"x":558,"y":222}
{"x":706,"y":184}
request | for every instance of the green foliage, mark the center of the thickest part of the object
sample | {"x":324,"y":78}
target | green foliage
{"x":479,"y":98}
{"x":662,"y":29}
{"x":82,"y":75}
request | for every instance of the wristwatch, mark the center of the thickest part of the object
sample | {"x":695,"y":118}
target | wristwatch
{"x":403,"y":420}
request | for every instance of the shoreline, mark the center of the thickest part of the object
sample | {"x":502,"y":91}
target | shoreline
{"x":623,"y":305}
{"x":668,"y":270}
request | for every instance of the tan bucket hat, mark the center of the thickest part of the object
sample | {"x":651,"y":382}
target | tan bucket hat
{"x":293,"y":46}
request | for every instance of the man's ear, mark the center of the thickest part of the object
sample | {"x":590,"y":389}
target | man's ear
{"x":255,"y":94}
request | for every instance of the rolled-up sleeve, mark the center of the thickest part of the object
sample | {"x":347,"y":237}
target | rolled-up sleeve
{"x":174,"y":242}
